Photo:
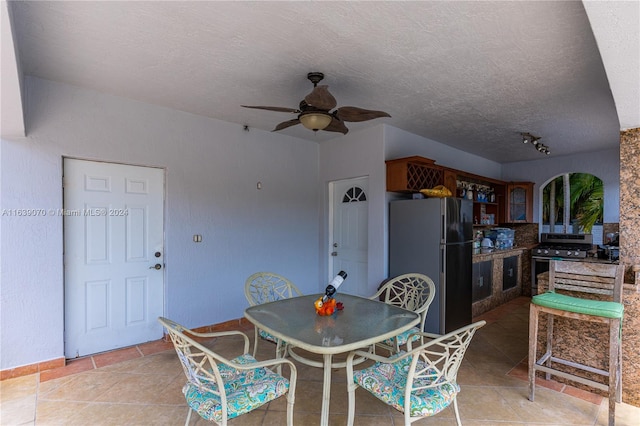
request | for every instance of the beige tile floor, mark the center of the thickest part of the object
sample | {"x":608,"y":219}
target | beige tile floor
{"x":142,"y":386}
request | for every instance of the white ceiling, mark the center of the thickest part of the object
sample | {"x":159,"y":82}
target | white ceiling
{"x":472,"y":75}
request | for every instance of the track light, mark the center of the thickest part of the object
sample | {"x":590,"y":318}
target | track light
{"x":534,"y":140}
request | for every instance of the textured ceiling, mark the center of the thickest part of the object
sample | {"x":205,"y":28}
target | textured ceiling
{"x":472,"y":75}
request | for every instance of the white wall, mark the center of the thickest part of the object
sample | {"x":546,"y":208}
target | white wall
{"x":363,"y":153}
{"x":212,"y":168}
{"x":400,"y":144}
{"x":358,"y":153}
{"x":603,"y":164}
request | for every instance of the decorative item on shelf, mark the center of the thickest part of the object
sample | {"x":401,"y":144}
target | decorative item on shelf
{"x":462,"y":188}
{"x":439,"y":191}
{"x":488,"y":219}
{"x":481,"y":195}
{"x":470,"y":192}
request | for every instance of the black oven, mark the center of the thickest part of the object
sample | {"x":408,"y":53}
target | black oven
{"x":571,"y":247}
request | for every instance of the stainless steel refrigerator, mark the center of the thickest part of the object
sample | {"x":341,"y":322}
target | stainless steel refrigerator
{"x":434,"y":236}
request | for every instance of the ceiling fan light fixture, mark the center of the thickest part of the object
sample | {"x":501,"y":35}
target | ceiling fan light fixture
{"x":315,"y":120}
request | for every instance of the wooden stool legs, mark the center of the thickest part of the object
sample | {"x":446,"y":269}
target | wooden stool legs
{"x":544,"y":363}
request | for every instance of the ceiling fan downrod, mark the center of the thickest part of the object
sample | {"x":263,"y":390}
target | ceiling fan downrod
{"x":315,"y":77}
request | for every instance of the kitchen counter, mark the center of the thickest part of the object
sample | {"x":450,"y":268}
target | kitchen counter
{"x":482,"y":254}
{"x":497,"y":277}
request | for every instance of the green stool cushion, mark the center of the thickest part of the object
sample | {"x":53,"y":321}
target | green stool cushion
{"x":563,"y":302}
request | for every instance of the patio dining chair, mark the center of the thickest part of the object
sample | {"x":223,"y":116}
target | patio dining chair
{"x":413,"y":292}
{"x":263,"y":287}
{"x":219,"y":389}
{"x":420,"y":382}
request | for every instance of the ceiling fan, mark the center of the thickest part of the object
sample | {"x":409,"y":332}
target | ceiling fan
{"x":315,"y":112}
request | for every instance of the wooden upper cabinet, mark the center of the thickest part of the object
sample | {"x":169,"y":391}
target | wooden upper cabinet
{"x":519,"y":202}
{"x":451,"y":181}
{"x":500,"y":201}
{"x":411,"y":174}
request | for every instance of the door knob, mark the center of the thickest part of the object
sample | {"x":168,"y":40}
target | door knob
{"x":157,"y":266}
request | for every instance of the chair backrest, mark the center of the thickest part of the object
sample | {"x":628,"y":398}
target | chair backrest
{"x":263,"y":287}
{"x":413,"y":292}
{"x":198,"y":362}
{"x":440,"y":358}
{"x":586,"y":277}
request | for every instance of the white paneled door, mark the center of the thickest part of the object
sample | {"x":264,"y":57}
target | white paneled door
{"x":113,"y":255}
{"x":349,"y":240}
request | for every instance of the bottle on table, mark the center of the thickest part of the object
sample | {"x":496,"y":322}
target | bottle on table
{"x":333,"y":285}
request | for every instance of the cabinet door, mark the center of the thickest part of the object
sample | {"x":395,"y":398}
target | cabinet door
{"x":509,"y":272}
{"x":482,"y":273}
{"x":520,"y":202}
{"x":411,"y":174}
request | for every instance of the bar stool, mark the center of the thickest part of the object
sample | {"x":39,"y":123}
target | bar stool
{"x":580,"y":277}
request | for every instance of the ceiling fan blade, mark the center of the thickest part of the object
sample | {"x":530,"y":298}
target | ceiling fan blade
{"x":286,"y":124}
{"x":272,"y":108}
{"x":336,"y":126}
{"x":350,"y":113}
{"x":320,"y":98}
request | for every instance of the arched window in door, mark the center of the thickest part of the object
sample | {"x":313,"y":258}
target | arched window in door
{"x":573,"y":203}
{"x":354,"y":194}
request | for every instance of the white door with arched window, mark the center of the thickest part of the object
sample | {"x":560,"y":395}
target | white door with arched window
{"x":348,"y":242}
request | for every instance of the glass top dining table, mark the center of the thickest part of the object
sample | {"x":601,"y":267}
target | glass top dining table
{"x":362,"y":323}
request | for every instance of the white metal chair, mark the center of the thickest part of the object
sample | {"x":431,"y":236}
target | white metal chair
{"x":263,"y":287}
{"x":219,"y":389}
{"x":420,"y":382}
{"x":585,"y":280}
{"x":413,"y":292}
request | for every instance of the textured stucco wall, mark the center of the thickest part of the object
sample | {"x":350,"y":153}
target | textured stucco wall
{"x":630,"y":256}
{"x":212,"y":168}
{"x":630,"y":196}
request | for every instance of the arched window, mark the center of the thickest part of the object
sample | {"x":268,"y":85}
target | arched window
{"x":573,"y":203}
{"x":354,"y":194}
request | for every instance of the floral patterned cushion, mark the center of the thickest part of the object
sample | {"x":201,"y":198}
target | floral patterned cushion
{"x":230,"y":374}
{"x":388,"y":382}
{"x":403,"y":338}
{"x":270,"y":337}
{"x":246,"y":390}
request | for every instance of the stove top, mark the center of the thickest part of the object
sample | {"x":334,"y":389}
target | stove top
{"x":563,"y":245}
